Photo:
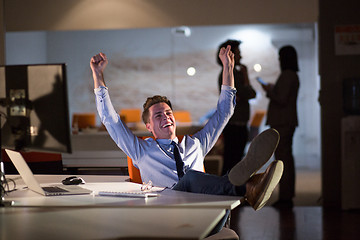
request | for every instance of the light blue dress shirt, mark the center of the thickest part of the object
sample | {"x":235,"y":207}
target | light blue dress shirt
{"x":154,"y":158}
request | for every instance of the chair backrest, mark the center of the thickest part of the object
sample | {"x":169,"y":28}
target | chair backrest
{"x":131,"y":115}
{"x":134,"y":173}
{"x":84,"y":120}
{"x":257,"y":118}
{"x":255,"y":124}
{"x":182,"y":116}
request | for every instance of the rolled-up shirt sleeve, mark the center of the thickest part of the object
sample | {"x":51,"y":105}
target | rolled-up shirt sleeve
{"x":119,"y":132}
{"x":213,"y":128}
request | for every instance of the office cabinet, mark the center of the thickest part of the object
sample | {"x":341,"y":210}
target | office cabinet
{"x":350,"y":162}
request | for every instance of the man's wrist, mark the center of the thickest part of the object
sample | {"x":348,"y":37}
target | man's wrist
{"x":98,"y":74}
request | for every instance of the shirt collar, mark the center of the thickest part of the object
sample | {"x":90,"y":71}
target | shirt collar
{"x":167,"y":141}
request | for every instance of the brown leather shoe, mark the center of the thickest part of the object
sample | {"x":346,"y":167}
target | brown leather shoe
{"x":260,"y":151}
{"x":260,"y":186}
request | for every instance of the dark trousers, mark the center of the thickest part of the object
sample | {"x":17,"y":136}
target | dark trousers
{"x":284,"y":153}
{"x":199,"y":182}
{"x":235,"y":139}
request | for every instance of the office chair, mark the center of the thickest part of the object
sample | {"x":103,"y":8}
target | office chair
{"x":131,"y":115}
{"x":182,"y":116}
{"x":224,"y":234}
{"x":134,"y":172}
{"x":84,"y":120}
{"x":255,"y":123}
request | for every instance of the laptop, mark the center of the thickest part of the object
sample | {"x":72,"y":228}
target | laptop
{"x":29,"y":179}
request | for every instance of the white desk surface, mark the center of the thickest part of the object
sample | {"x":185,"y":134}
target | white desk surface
{"x":107,"y":223}
{"x":173,"y":214}
{"x":24,"y":197}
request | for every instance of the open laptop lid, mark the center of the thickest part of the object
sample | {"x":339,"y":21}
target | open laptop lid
{"x":30,"y":180}
{"x":24,"y":171}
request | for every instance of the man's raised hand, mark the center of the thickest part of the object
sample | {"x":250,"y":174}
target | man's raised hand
{"x":98,"y":62}
{"x":97,"y":65}
{"x":227,"y":57}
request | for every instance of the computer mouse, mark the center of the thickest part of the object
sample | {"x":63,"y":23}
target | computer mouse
{"x":73,"y":181}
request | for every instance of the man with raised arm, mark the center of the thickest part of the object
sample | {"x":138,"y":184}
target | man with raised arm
{"x":179,"y":165}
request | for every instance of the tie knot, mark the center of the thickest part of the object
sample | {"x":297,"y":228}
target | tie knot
{"x":174,"y":144}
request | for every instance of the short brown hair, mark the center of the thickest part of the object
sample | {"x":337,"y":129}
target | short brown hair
{"x":152,"y":101}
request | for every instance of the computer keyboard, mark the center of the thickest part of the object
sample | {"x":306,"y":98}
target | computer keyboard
{"x":128,"y":194}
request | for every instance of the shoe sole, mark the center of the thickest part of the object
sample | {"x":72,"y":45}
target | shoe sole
{"x":260,"y":151}
{"x":273,"y":180}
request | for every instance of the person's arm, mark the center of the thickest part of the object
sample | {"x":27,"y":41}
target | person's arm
{"x":209,"y":134}
{"x":97,"y":65}
{"x":268,"y":87}
{"x":227,"y":59}
{"x":119,"y":132}
{"x":284,"y":87}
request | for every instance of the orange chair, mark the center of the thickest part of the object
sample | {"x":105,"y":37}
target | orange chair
{"x":84,"y":120}
{"x":131,"y":115}
{"x":134,"y":172}
{"x":182,"y":116}
{"x":255,"y":123}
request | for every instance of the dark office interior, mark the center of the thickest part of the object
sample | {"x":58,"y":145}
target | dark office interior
{"x":327,"y":202}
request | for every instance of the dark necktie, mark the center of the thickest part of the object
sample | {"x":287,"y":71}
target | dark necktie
{"x":178,"y":160}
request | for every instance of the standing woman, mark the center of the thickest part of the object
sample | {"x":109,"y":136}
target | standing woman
{"x":282,"y":115}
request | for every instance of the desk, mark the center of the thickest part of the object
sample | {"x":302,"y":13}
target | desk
{"x":26,"y":198}
{"x":95,"y":217}
{"x":94,"y":150}
{"x":107,"y":223}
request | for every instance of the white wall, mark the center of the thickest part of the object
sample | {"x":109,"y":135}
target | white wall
{"x":26,"y":47}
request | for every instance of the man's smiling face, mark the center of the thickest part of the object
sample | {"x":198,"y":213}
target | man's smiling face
{"x":161,"y":121}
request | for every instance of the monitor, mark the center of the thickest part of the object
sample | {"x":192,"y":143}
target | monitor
{"x":33,"y":99}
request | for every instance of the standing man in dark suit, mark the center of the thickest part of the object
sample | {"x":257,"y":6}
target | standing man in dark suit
{"x":282,"y":116}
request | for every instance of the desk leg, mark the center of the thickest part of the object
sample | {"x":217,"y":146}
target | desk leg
{"x":222,"y":223}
